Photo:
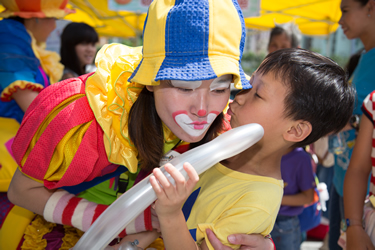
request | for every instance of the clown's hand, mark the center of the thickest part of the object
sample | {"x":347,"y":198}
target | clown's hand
{"x":253,"y":242}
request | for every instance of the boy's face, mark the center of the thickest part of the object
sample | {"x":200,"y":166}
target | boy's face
{"x":263,"y":104}
{"x":188,"y":108}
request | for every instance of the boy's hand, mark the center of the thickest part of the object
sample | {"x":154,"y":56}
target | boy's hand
{"x":170,"y":197}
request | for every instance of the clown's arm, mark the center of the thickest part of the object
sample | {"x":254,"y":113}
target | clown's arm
{"x":53,"y":203}
{"x":37,"y":195}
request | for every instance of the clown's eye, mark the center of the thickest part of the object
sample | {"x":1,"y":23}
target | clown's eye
{"x":185,"y":90}
{"x":220,"y":91}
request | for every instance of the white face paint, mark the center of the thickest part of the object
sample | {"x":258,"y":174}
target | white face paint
{"x":223,"y":82}
{"x":186,"y":84}
{"x":194,"y":128}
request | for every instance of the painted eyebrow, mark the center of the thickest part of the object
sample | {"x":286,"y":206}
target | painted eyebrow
{"x":222,"y":80}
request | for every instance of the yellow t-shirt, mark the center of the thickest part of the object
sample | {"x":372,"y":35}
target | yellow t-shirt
{"x":229,"y":202}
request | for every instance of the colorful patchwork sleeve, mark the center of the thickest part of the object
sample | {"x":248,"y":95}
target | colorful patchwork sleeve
{"x":18,"y":63}
{"x":59,"y":141}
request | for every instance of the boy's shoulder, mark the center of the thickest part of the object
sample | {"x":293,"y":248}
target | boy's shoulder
{"x":236,"y":187}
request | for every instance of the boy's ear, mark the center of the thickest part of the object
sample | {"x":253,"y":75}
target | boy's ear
{"x":298,"y":132}
{"x":150,"y":88}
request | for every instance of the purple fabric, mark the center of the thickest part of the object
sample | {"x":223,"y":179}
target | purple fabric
{"x":141,"y":175}
{"x":5,"y":204}
{"x":8,"y":146}
{"x":298,"y":176}
{"x":54,"y":238}
{"x":44,"y":75}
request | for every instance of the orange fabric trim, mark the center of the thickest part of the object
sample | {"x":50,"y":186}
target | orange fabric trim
{"x":63,"y":4}
{"x":29,"y":6}
{"x":7,"y":93}
{"x":40,"y":8}
{"x":29,"y":14}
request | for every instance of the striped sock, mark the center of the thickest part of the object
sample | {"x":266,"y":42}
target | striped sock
{"x":67,"y":209}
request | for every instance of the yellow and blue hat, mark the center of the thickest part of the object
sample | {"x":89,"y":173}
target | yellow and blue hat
{"x":192,"y":40}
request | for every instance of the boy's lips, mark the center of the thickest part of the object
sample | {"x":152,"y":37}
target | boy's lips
{"x":229,"y":111}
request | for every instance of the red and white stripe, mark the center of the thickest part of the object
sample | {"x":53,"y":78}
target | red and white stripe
{"x":67,"y":209}
{"x":369,"y":110}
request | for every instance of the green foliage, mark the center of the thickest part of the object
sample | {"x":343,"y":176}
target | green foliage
{"x":340,"y":60}
{"x":250,"y":61}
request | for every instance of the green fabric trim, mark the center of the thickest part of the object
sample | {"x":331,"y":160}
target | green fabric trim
{"x":101,"y":193}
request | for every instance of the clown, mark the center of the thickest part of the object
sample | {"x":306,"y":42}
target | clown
{"x":26,"y":67}
{"x":96,"y":135}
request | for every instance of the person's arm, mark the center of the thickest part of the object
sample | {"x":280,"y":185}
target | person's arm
{"x":28,"y":193}
{"x":169,"y":203}
{"x":24,"y":97}
{"x":299,"y":199}
{"x":144,"y":239}
{"x":52,"y":204}
{"x":253,"y":241}
{"x":355,"y":186}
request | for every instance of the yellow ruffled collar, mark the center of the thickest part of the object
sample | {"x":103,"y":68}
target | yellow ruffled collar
{"x":111,"y":96}
{"x":49,"y":60}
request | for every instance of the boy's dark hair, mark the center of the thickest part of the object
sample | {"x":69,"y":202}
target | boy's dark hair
{"x":363,"y":2}
{"x":318,"y":90}
{"x":73,"y":34}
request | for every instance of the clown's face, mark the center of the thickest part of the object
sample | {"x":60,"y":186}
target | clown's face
{"x":188,"y":108}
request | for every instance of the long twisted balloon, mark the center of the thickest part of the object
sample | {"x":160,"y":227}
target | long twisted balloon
{"x":126,"y":208}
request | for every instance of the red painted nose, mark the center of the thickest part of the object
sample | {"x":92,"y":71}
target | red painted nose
{"x":202,"y":112}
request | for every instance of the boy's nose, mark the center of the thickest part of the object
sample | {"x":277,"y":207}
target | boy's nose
{"x":240,"y":97}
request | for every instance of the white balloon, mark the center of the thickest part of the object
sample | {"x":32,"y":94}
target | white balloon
{"x":126,"y":208}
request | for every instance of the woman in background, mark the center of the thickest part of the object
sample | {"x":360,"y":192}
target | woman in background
{"x":26,"y":68}
{"x":358,"y":21}
{"x":78,"y":49}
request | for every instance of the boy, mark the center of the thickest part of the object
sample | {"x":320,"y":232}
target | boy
{"x":297,"y":96}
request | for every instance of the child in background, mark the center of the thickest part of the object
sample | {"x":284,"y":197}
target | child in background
{"x":78,"y":48}
{"x":283,"y":87}
{"x":299,"y":184}
{"x":283,"y":37}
